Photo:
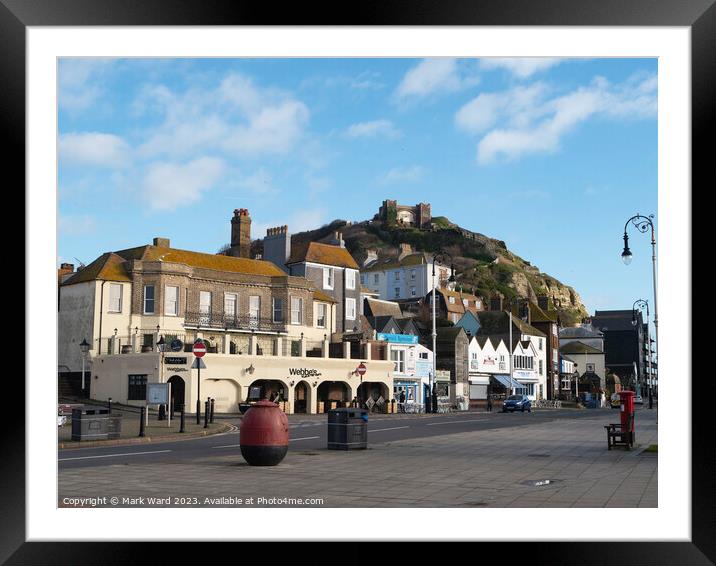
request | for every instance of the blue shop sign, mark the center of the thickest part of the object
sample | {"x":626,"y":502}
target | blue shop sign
{"x":398,"y":338}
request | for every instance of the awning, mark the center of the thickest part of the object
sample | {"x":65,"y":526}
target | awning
{"x":480,"y":379}
{"x":505,"y":380}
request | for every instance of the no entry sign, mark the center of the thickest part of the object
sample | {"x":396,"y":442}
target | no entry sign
{"x":199,"y":349}
{"x":361,"y":369}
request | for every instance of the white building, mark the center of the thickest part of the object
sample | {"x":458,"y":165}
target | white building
{"x":489,"y":358}
{"x":409,"y":276}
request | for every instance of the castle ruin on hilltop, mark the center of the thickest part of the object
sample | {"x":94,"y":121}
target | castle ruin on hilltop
{"x":417,"y":216}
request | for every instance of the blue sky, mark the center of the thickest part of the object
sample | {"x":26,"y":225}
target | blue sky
{"x":550,"y":155}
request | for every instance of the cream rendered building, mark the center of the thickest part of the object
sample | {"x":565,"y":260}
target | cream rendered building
{"x":259,"y":324}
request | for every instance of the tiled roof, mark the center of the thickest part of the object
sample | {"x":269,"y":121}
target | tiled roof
{"x":321,"y":296}
{"x":107,"y":267}
{"x":537,"y":314}
{"x":457,"y":306}
{"x":579,"y":348}
{"x":206,"y":261}
{"x":419,"y":258}
{"x":325,"y":254}
{"x":496,"y":322}
{"x":384,"y":308}
{"x":112,"y":266}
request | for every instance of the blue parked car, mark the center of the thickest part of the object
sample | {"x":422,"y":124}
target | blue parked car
{"x":517,"y":403}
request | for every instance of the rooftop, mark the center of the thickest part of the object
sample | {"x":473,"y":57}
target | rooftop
{"x":325,"y":254}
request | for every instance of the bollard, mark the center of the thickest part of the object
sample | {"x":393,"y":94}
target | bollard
{"x":161,"y":413}
{"x":141,"y":422}
{"x":211,"y":419}
{"x":109,"y":405}
{"x":171,"y":409}
{"x":181,"y":419}
{"x":198,"y":411}
{"x":206,"y":413}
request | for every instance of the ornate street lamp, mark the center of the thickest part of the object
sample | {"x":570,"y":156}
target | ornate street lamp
{"x":642,"y":304}
{"x":84,"y":348}
{"x":437,"y":256}
{"x":644,"y":224}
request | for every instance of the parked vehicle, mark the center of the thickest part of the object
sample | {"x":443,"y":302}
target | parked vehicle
{"x":638,"y":400}
{"x":517,"y":403}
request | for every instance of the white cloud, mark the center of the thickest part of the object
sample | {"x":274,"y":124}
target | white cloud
{"x":78,"y":88}
{"x":403,"y":174}
{"x":525,"y":120}
{"x":375,"y":128}
{"x":299,"y":221}
{"x":520,"y":67}
{"x":94,"y":148}
{"x":76,"y":225}
{"x":260,"y":183}
{"x":482,"y":112}
{"x":432,"y":76}
{"x":237,"y":118}
{"x":168,"y":186}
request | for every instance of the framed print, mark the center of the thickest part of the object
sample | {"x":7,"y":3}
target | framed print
{"x":261,"y":209}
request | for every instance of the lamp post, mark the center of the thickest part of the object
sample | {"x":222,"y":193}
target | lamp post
{"x":644,"y":224}
{"x":84,"y":348}
{"x":438,"y":256}
{"x":642,"y":304}
{"x":510,"y":302}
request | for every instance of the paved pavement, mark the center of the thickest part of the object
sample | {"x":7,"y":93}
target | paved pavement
{"x":483,"y":465}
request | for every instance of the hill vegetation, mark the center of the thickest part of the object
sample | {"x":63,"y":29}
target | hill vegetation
{"x":483,"y":265}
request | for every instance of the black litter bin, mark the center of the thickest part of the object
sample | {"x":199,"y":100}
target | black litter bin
{"x":347,"y":429}
{"x":90,"y":423}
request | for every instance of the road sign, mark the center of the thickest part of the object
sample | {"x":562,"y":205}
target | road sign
{"x":361,"y":369}
{"x":198,"y":364}
{"x":199,"y":349}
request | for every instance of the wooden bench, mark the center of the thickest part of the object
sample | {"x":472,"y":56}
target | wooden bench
{"x":616,"y":436}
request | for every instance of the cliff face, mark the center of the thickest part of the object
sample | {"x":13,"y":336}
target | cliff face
{"x":483,"y":264}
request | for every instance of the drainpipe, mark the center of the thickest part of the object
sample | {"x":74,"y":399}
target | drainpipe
{"x":101,"y":303}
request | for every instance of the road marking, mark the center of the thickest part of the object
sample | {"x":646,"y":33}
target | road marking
{"x":383,"y":429}
{"x":228,"y":446}
{"x":455,"y":422}
{"x":306,"y":438}
{"x":114,"y":455}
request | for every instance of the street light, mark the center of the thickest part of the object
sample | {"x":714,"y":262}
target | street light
{"x":437,"y":256}
{"x":641,"y":304}
{"x":644,"y":224}
{"x":84,"y":348}
{"x":510,"y":302}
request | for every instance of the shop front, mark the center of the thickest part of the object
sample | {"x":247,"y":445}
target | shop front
{"x":298,"y":384}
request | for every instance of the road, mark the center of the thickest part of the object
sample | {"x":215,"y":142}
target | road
{"x":309,"y":433}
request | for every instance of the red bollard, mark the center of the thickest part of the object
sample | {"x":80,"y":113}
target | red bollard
{"x":264,"y":434}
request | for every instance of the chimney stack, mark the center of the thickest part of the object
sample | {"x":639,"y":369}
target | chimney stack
{"x":405,"y":249}
{"x":371,"y":256}
{"x":161,"y":242}
{"x":496,"y":303}
{"x":240,"y":234}
{"x":277,"y":246}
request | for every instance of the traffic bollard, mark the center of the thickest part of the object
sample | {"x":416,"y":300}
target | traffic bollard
{"x":181,"y":419}
{"x":211,"y":418}
{"x":161,"y":413}
{"x":206,"y":413}
{"x":109,"y":405}
{"x":141,"y":422}
{"x":198,"y":411}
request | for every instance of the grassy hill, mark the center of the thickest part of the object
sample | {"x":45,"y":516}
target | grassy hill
{"x":483,"y":265}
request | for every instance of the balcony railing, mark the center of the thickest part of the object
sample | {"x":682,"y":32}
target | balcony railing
{"x":228,"y":322}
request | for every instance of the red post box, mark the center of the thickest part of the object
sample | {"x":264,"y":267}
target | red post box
{"x":627,"y":413}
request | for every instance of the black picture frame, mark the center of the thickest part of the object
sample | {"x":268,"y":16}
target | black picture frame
{"x":698,"y":15}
